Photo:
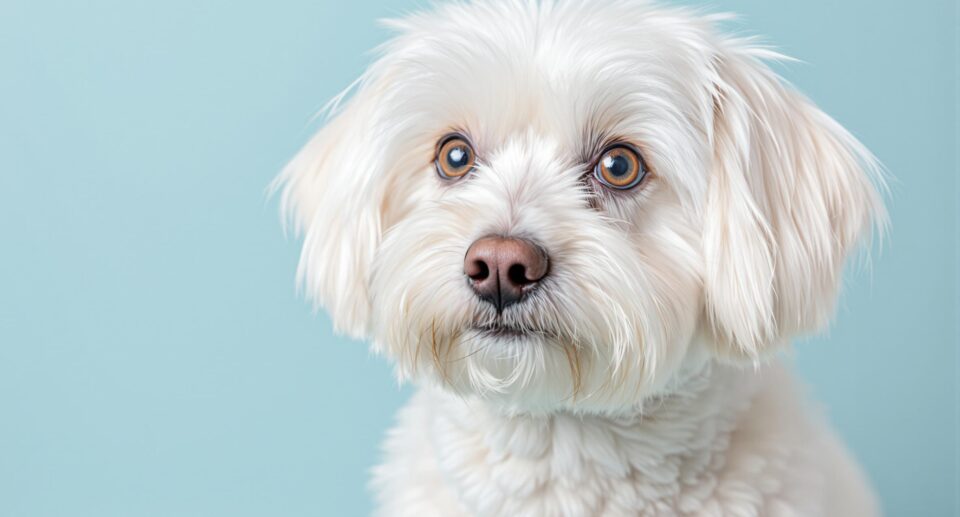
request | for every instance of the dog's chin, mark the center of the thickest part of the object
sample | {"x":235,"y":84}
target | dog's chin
{"x":514,"y":368}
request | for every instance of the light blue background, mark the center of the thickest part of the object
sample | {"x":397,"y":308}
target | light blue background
{"x":155,"y":359}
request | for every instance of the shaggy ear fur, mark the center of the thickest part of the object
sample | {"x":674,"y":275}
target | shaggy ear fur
{"x":790,"y":194}
{"x":330,"y":193}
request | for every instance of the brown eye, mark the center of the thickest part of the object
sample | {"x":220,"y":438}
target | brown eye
{"x":620,"y":167}
{"x":455,"y":157}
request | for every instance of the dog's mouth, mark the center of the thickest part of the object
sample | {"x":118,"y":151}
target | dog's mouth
{"x":501,"y":330}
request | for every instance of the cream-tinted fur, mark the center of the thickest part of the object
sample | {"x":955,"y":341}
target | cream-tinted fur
{"x":642,"y":381}
{"x":731,"y":443}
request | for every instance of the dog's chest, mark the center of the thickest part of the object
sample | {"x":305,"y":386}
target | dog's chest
{"x":563,"y":465}
{"x":450,"y":458}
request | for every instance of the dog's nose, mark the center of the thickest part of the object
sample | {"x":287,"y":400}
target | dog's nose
{"x":502,"y":269}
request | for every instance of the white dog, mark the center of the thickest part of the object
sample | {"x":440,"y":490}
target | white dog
{"x":581,"y":228}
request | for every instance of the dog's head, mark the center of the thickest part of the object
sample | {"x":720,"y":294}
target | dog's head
{"x":562,"y":204}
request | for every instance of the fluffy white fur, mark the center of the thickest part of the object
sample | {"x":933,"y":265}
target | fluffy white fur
{"x":642,"y":385}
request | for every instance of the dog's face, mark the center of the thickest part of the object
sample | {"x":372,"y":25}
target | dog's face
{"x":563,"y":205}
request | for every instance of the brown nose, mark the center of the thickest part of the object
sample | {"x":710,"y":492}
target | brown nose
{"x":503,"y":269}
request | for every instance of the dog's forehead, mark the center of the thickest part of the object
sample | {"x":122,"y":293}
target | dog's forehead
{"x":578,"y":71}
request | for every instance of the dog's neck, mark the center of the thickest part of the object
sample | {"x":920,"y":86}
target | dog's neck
{"x":674,"y":440}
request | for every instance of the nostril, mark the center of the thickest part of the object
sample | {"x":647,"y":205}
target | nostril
{"x":479,"y":271}
{"x":518,"y":275}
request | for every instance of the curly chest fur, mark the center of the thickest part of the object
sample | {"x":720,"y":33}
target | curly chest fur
{"x":730,"y":443}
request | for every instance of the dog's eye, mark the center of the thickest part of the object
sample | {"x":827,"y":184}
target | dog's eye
{"x":620,"y":167}
{"x":455,"y":157}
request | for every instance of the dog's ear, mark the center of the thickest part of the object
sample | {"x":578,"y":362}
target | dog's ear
{"x":331,"y":194}
{"x":790,"y":195}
